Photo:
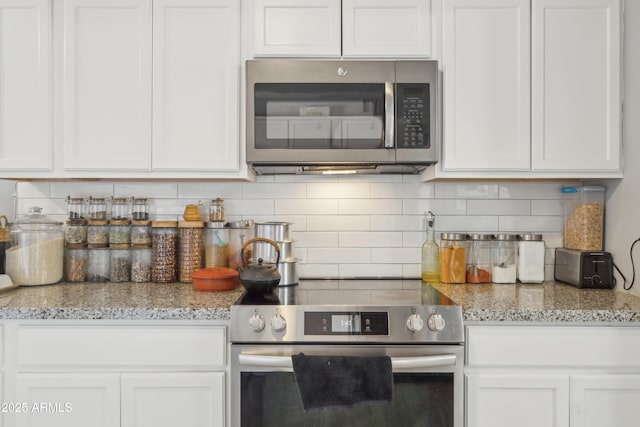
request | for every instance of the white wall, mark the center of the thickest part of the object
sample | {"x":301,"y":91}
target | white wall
{"x":369,"y":226}
{"x":623,"y":204}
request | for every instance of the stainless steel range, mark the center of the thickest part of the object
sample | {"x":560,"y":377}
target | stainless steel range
{"x":421,"y":333}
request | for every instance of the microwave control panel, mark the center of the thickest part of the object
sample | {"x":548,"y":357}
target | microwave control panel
{"x":412,"y":115}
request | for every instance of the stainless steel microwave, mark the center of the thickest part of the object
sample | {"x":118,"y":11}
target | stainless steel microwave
{"x":341,"y":116}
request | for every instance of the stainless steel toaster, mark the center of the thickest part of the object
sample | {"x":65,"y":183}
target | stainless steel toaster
{"x":584,"y":269}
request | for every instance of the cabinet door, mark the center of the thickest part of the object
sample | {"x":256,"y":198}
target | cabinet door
{"x":297,"y":28}
{"x":523,"y":400}
{"x":196,"y":67}
{"x":605,"y":400}
{"x":576,"y":85}
{"x":68,"y":400}
{"x":107,"y":84}
{"x":173,"y":399}
{"x":26,"y":138}
{"x":486,"y":61}
{"x":393,"y":28}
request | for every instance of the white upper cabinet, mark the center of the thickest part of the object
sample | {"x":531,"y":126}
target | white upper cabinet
{"x":196,"y":57}
{"x":107,"y":84}
{"x":486,"y":85}
{"x":26,"y":139}
{"x":576,"y":85}
{"x":348,"y":28}
{"x":297,"y":28}
{"x":386,"y":28}
{"x":562,"y":119}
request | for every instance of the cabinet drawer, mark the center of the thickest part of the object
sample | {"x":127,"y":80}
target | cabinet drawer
{"x":121,"y":347}
{"x":568,"y":346}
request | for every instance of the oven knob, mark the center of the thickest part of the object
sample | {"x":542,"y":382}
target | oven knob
{"x":435,"y":322}
{"x":278,"y":323}
{"x":256,"y":323}
{"x":415,"y":323}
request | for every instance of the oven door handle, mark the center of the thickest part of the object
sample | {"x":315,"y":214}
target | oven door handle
{"x":396,"y":362}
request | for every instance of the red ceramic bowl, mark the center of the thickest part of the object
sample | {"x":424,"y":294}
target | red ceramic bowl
{"x":215,"y":279}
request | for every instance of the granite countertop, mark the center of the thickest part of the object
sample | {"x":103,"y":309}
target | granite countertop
{"x":549,"y":302}
{"x":129,"y":301}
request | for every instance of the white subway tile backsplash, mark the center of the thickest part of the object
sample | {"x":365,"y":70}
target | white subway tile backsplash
{"x":461,"y":190}
{"x":372,"y":239}
{"x":338,"y":255}
{"x":369,"y":206}
{"x":338,"y":223}
{"x":437,"y":206}
{"x":338,"y":190}
{"x":498,"y":207}
{"x":342,"y":226}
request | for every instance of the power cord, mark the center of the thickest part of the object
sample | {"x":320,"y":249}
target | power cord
{"x":633,"y":269}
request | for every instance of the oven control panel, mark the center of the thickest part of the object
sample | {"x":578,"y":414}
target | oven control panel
{"x":346,"y":323}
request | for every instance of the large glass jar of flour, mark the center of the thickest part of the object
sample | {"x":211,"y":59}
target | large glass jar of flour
{"x":36,"y":252}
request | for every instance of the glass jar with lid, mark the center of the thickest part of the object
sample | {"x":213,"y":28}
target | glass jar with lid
{"x":36,"y":252}
{"x":141,"y":261}
{"x":75,"y":264}
{"x":140,"y":233}
{"x":140,"y":209}
{"x":216,"y":210}
{"x":530,"y":258}
{"x":479,"y":258}
{"x":98,"y":264}
{"x":453,"y":257}
{"x":119,"y":209}
{"x":75,"y":207}
{"x":119,"y":232}
{"x":216,"y":244}
{"x":120,"y":264}
{"x":97,"y":233}
{"x":191,"y":246}
{"x":240,"y":232}
{"x":164,"y":242}
{"x":504,"y":258}
{"x":97,"y":208}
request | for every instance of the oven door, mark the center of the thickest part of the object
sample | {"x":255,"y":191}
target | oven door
{"x":427,"y":388}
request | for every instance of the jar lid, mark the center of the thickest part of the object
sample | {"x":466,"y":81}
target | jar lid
{"x":246,"y":223}
{"x":76,"y":222}
{"x":585,"y":188}
{"x":119,"y":246}
{"x":503,"y":236}
{"x":140,"y":222}
{"x":531,"y":237}
{"x":97,"y":222}
{"x":141,"y":246}
{"x":119,"y":222}
{"x":35,"y":220}
{"x":453,"y":236}
{"x":190,"y":224}
{"x":161,"y":224}
{"x":76,"y":246}
{"x":479,"y":236}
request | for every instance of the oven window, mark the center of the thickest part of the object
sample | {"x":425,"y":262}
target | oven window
{"x":319,"y":115}
{"x":419,"y":399}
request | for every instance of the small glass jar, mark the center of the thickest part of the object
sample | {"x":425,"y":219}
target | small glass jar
{"x":75,"y":264}
{"x":98,"y":264}
{"x":140,"y":209}
{"x":453,"y":258}
{"x":504,"y":258}
{"x":240,"y":232}
{"x":97,"y":208}
{"x":119,"y":232}
{"x":119,"y":209}
{"x":97,"y":233}
{"x":75,"y":207}
{"x":75,"y":233}
{"x":216,"y":210}
{"x":191,"y":245}
{"x":216,"y":245}
{"x":479,"y":258}
{"x":531,"y":258}
{"x":120,"y":267}
{"x":164,"y":242}
{"x":140,"y":233}
{"x":141,"y":262}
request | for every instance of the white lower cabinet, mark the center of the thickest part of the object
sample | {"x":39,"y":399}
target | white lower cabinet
{"x":112,"y":374}
{"x":555,"y":376}
{"x":173,"y":399}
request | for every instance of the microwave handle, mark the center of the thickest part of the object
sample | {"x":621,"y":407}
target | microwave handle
{"x":396,"y":362}
{"x":389,"y":115}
